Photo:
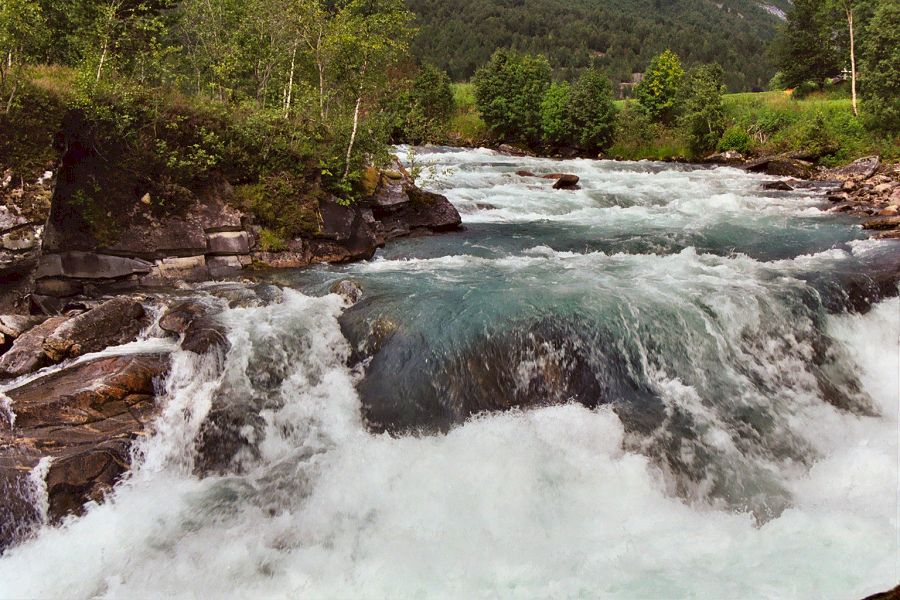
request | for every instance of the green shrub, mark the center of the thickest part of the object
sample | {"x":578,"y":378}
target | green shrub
{"x":700,"y":110}
{"x":735,"y":138}
{"x":555,"y":122}
{"x":658,"y":91}
{"x":285,"y":205}
{"x":592,"y":113}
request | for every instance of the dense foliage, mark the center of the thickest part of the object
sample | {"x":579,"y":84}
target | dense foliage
{"x":308,"y":75}
{"x":881,"y":68}
{"x":657,"y":92}
{"x":700,"y":107}
{"x":509,"y":90}
{"x":617,"y":36}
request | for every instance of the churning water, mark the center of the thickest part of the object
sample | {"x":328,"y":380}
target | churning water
{"x":699,"y":389}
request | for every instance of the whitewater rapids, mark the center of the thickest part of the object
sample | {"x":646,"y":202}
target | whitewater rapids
{"x":721,"y":304}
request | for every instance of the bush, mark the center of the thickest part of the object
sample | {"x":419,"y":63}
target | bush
{"x":509,"y":91}
{"x":283,"y":204}
{"x":735,"y":138}
{"x":555,"y":122}
{"x":658,"y":91}
{"x":700,"y":108}
{"x":592,"y":112}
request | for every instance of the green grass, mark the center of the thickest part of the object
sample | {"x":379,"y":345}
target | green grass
{"x":466,"y":127}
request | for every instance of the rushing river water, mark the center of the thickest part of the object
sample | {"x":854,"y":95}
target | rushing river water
{"x":703,"y":383}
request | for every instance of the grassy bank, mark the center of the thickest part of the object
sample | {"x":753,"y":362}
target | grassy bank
{"x":821,"y":126}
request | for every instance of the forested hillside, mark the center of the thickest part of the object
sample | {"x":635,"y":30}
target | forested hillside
{"x":619,"y":36}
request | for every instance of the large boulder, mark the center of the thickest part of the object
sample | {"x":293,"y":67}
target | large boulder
{"x":115,"y":322}
{"x":85,"y":419}
{"x":566,"y":182}
{"x":347,"y":226}
{"x":781,"y":166}
{"x":425,"y":212}
{"x":27,"y":353}
{"x":860,"y":169}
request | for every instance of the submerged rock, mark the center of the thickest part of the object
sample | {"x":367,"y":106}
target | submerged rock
{"x":349,"y":290}
{"x":779,"y":186}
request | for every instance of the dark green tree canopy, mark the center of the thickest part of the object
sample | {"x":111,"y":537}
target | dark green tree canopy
{"x":509,"y":90}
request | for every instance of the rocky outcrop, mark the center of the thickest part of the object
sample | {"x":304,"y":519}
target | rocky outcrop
{"x":85,"y":419}
{"x":141,"y":233}
{"x":869,"y":193}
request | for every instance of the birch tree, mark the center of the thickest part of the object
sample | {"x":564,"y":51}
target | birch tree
{"x":21,"y":37}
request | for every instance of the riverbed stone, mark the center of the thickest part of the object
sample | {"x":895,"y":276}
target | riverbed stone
{"x":566,"y":182}
{"x":27,"y":353}
{"x":349,"y":290}
{"x":113,"y":323}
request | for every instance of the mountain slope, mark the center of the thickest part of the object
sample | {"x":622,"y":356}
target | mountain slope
{"x":618,"y":35}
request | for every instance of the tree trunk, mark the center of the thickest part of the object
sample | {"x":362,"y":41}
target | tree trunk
{"x":102,"y":60}
{"x":12,"y":95}
{"x":852,"y":60}
{"x":290,"y":90}
{"x":352,"y":136}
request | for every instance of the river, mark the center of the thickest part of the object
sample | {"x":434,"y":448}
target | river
{"x":700,"y":382}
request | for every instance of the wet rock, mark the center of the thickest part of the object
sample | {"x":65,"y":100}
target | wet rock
{"x":729,"y":157}
{"x":229,"y":430}
{"x":27,"y":353}
{"x":349,"y":290}
{"x":180,"y":315}
{"x":779,"y":186}
{"x":205,"y":334}
{"x":196,"y":322}
{"x":781,"y":166}
{"x":525,"y":174}
{"x":566,"y":182}
{"x":345,"y":225}
{"x":426,"y":212}
{"x":85,"y":418}
{"x":113,"y":323}
{"x":882,"y":224}
{"x":849,"y":185}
